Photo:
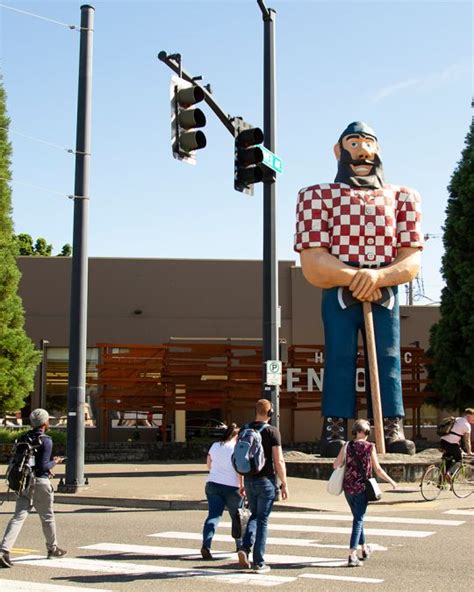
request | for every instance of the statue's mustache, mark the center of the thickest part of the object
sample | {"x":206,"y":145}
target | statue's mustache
{"x":361,"y":162}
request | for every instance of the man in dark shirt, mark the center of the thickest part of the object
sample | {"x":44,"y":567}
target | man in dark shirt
{"x":39,"y":494}
{"x":261,"y":490}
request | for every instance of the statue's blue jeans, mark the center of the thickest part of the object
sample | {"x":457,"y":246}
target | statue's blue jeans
{"x":341,"y":330}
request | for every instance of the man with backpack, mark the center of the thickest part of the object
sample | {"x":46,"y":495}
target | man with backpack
{"x":456,"y":429}
{"x":260,"y":443}
{"x":38,"y":492}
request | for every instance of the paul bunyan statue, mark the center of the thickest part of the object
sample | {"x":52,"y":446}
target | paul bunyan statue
{"x":358,"y":239}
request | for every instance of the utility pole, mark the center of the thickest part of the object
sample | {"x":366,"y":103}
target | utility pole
{"x":271,"y":320}
{"x":79,"y":275}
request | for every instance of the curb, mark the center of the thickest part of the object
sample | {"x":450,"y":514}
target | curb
{"x":151,"y":504}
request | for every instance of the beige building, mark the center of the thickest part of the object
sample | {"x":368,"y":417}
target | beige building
{"x":152,"y":301}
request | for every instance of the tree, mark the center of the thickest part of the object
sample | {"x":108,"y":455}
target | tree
{"x":18,"y":358}
{"x":452,"y":338}
{"x":66,"y":251}
{"x":40,"y":248}
{"x":25,"y":245}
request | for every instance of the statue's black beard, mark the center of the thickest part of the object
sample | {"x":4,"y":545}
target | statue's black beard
{"x":346,"y":175}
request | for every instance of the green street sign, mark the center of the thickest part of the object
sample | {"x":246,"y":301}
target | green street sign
{"x":272,"y":161}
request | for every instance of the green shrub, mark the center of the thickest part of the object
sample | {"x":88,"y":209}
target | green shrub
{"x":8,"y":436}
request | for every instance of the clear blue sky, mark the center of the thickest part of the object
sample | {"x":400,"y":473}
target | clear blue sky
{"x":404,"y":67}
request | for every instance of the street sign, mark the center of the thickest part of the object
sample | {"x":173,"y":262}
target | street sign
{"x":272,"y":161}
{"x":274,"y":373}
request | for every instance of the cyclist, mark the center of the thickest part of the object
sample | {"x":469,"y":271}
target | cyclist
{"x":450,"y":444}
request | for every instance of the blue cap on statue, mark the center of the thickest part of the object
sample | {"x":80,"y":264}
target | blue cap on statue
{"x":358,"y":127}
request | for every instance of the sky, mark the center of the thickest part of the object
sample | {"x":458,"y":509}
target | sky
{"x":404,"y":67}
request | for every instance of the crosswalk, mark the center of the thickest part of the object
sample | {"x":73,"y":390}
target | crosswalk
{"x":292,"y":554}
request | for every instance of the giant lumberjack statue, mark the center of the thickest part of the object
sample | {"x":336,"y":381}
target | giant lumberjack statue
{"x":359,"y":238}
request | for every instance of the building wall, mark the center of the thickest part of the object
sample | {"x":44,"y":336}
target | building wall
{"x":177,"y":298}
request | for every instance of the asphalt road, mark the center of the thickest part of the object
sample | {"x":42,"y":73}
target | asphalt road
{"x":420,"y":547}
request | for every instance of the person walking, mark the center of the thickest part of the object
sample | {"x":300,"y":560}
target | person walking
{"x":39,"y":494}
{"x":450,"y":443}
{"x":261,"y":489}
{"x":359,"y":453}
{"x":222,"y":488}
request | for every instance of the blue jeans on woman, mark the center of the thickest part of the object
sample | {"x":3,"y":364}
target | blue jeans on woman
{"x":261,"y":493}
{"x":219,"y":497}
{"x":358,"y":504}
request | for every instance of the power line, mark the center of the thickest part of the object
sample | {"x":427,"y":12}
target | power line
{"x":68,"y":150}
{"x":43,"y":188}
{"x":44,"y":18}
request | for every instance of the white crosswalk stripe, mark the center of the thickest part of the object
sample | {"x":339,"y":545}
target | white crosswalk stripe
{"x":342,"y":578}
{"x":18,"y":586}
{"x":460,"y":512}
{"x":191,"y":554}
{"x":287,"y":542}
{"x":348,"y":517}
{"x":385,"y":532}
{"x":121,"y":568}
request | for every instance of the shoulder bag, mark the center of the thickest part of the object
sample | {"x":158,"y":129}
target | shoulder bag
{"x":334,"y":486}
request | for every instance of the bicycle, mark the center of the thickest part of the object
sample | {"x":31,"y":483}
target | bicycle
{"x":436,"y":479}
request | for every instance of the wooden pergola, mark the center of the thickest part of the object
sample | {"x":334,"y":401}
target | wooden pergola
{"x":225,"y":375}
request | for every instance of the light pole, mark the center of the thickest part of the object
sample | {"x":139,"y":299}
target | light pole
{"x":270,"y":260}
{"x":79,"y":275}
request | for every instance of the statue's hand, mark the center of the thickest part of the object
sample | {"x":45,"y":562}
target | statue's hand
{"x":376,"y":295}
{"x":364,"y":285}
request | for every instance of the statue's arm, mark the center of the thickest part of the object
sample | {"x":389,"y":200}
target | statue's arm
{"x":323,"y":270}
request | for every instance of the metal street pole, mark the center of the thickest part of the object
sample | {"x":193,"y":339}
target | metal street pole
{"x":79,"y":276}
{"x":270,"y":261}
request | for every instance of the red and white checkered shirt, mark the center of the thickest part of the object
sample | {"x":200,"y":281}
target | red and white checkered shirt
{"x":356,"y":225}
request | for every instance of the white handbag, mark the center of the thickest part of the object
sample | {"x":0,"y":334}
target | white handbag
{"x":334,"y":486}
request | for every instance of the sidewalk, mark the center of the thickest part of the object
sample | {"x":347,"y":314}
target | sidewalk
{"x":180,"y":486}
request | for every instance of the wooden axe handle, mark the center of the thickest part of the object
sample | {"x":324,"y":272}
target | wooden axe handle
{"x":374,"y":377}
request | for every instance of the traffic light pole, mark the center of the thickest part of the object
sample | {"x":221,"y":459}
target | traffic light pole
{"x":270,"y":260}
{"x":79,"y":276}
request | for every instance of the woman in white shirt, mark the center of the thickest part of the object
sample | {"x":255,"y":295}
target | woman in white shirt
{"x":222,"y":487}
{"x":450,"y":444}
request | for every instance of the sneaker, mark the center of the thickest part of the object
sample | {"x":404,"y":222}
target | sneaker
{"x":243,"y":558}
{"x":261,"y":568}
{"x":5,"y":560}
{"x":354,"y":562}
{"x":366,"y":553}
{"x":56,"y":553}
{"x":206,"y":553}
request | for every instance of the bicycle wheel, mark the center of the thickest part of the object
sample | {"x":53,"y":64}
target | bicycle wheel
{"x":431,"y":483}
{"x":463,"y":481}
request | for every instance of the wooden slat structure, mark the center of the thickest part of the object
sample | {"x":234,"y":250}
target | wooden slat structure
{"x":204,"y":375}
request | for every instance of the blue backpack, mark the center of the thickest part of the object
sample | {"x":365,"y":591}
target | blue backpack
{"x":248,"y":457}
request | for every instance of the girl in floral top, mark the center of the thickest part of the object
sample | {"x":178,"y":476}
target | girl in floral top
{"x":354,"y":486}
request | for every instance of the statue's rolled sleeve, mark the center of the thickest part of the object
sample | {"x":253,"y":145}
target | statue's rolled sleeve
{"x":409,"y":232}
{"x":312,"y":227}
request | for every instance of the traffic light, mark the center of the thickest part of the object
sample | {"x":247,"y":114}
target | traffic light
{"x":186,"y":138}
{"x":247,"y":156}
